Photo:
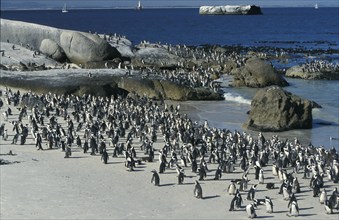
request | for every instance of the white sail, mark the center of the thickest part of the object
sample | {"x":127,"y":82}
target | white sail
{"x":139,"y":6}
{"x":316,"y":6}
{"x":64,"y":9}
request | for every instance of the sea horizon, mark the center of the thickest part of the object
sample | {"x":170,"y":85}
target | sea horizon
{"x":144,"y":8}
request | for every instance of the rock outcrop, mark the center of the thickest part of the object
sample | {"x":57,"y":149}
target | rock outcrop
{"x":257,"y":73}
{"x":83,"y":47}
{"x":162,"y":89}
{"x":274,"y":109}
{"x":302,"y":73}
{"x":79,"y":47}
{"x":230,"y":10}
{"x":52,"y":49}
{"x":102,"y":82}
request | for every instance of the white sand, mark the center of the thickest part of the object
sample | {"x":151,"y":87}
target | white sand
{"x":45,"y":185}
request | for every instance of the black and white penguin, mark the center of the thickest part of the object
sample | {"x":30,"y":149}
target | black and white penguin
{"x":181,"y":176}
{"x":202,"y":173}
{"x":231,"y":188}
{"x":323,"y":196}
{"x":334,"y":198}
{"x":197,"y":190}
{"x":328,"y":207}
{"x":250,"y":209}
{"x":243,"y":183}
{"x":155,"y":178}
{"x":257,"y":170}
{"x":292,"y":199}
{"x":236,"y":201}
{"x":274,"y":170}
{"x":269,"y":204}
{"x":233,"y":202}
{"x":218,"y":173}
{"x":295,"y":186}
{"x":286,"y":193}
{"x":294,"y":209}
{"x":251,"y":192}
{"x":261,"y":176}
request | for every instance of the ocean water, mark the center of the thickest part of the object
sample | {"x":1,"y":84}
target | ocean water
{"x":277,"y":27}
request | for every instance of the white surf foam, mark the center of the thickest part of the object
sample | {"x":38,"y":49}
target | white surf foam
{"x":233,"y":97}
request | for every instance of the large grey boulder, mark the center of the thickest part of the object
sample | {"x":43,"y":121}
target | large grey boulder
{"x":27,"y":34}
{"x":156,"y":56}
{"x":257,"y":73}
{"x":82,"y":47}
{"x":274,"y":109}
{"x":79,"y":47}
{"x":230,"y":10}
{"x":52,"y":49}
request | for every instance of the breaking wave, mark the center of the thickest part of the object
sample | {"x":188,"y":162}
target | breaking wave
{"x":233,"y":97}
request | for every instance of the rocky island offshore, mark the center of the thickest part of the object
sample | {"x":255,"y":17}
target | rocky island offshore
{"x":230,"y":10}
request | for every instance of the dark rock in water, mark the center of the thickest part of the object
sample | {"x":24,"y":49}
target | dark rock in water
{"x":274,"y":109}
{"x":257,"y":74}
{"x":82,"y":47}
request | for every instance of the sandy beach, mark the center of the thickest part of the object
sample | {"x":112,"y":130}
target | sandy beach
{"x":45,"y":185}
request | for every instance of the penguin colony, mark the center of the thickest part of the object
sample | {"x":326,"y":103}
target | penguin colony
{"x":111,"y":127}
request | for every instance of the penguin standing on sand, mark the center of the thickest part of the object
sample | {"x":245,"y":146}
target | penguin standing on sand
{"x":231,"y":188}
{"x":261,"y":176}
{"x":275,"y":170}
{"x":197,"y":190}
{"x":251,"y":192}
{"x":202,"y":173}
{"x":218,"y":173}
{"x":181,"y":176}
{"x":294,"y":209}
{"x":250,"y":209}
{"x":257,"y":170}
{"x":292,"y":199}
{"x":269,"y":204}
{"x":155,"y":178}
{"x":237,"y":200}
{"x":243,"y":183}
{"x":194,"y":166}
{"x":323,"y":196}
{"x":328,"y":207}
{"x":295,"y":186}
{"x":104,"y":156}
{"x":334,"y":198}
{"x":286,"y":193}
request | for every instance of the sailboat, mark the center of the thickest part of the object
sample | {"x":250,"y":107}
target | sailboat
{"x":64,"y":9}
{"x":316,"y":6}
{"x":139,"y":6}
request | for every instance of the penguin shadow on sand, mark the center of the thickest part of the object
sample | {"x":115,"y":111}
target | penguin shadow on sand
{"x":167,"y":184}
{"x":115,"y":162}
{"x":210,"y":197}
{"x":76,"y":157}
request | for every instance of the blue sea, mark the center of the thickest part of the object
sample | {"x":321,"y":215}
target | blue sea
{"x":305,"y":28}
